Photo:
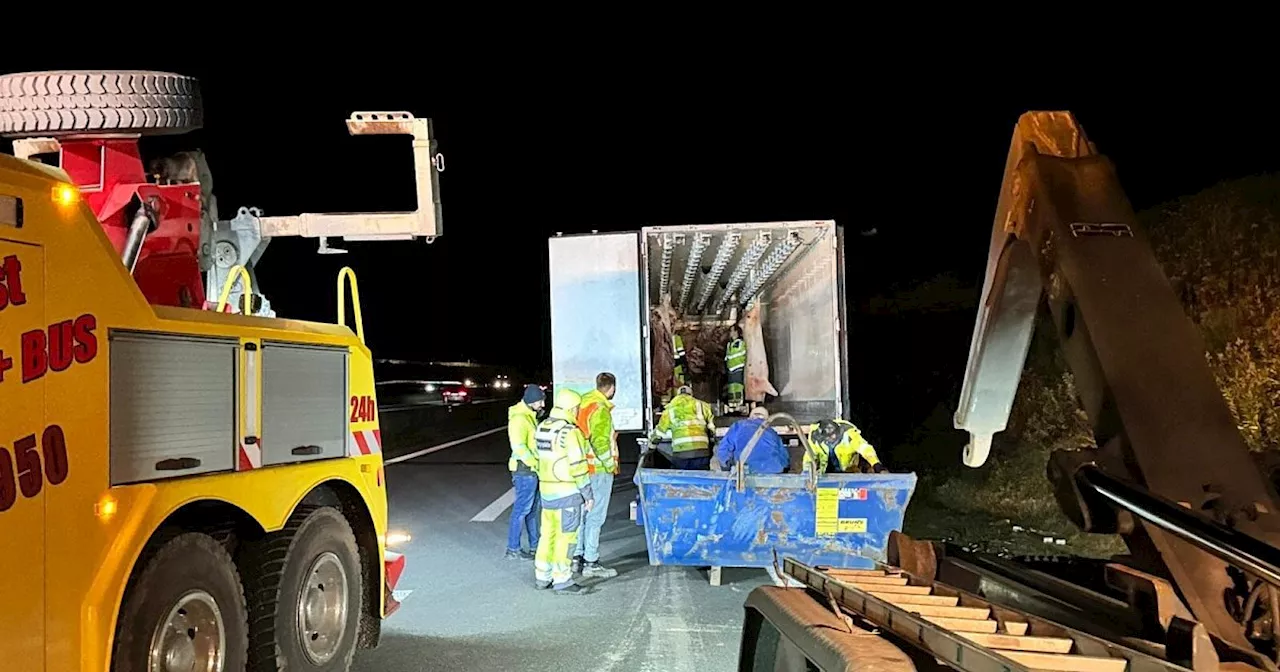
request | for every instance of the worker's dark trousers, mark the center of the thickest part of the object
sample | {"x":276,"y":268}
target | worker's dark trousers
{"x":526,"y":511}
{"x":693,"y":463}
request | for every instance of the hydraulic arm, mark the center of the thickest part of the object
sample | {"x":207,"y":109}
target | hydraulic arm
{"x":1064,"y":232}
{"x":243,"y":240}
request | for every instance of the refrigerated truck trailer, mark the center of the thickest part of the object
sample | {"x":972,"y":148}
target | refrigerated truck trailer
{"x":606,"y":288}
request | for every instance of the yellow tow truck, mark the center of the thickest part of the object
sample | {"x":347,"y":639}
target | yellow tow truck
{"x":184,"y":485}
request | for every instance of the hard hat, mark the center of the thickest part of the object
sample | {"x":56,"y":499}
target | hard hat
{"x":567,"y":399}
{"x":828,"y":433}
{"x":684,"y":389}
{"x":760,"y":412}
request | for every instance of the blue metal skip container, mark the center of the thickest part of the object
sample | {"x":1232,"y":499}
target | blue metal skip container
{"x":699,"y":518}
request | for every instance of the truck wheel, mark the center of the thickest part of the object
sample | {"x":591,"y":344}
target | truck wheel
{"x":84,"y":101}
{"x":185,"y":611}
{"x":304,"y":587}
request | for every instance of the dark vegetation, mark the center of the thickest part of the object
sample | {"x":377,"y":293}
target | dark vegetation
{"x":1220,"y":249}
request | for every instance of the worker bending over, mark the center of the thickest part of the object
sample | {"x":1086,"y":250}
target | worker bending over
{"x":767,"y":456}
{"x":689,"y":423}
{"x":565,"y":490}
{"x":839,"y":444}
{"x":735,"y":360}
{"x":595,"y":419}
{"x":522,"y":423}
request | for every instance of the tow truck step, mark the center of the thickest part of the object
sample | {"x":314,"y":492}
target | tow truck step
{"x":963,"y":630}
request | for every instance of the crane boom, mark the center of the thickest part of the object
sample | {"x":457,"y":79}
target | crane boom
{"x":421,"y":223}
{"x":1065,"y":232}
{"x":243,"y":240}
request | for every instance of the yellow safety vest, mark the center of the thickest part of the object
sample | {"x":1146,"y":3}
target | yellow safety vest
{"x":562,"y":467}
{"x":677,"y":345}
{"x":686,"y":419}
{"x":735,"y":355}
{"x":851,"y":445}
{"x":521,"y":427}
{"x":584,"y":420}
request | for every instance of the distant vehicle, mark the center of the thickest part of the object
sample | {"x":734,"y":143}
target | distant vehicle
{"x":454,"y":392}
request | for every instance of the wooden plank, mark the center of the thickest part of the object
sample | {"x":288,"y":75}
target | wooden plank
{"x":962,"y":624}
{"x":1054,"y":662}
{"x":1016,"y":628}
{"x":837,"y":573}
{"x":903,"y":600}
{"x":878,"y":580}
{"x":1020,"y":643}
{"x":899,"y":590}
{"x":971,"y":613}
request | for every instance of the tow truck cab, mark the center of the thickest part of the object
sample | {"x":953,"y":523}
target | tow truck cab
{"x":170,"y":475}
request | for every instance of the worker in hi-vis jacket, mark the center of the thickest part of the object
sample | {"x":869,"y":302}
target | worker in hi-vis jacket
{"x":522,"y":422}
{"x":565,"y":491}
{"x":735,"y":360}
{"x":840,"y":444}
{"x":689,"y":424}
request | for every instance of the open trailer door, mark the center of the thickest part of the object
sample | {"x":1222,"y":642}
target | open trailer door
{"x":596,"y":318}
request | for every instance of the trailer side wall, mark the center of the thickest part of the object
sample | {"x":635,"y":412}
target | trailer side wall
{"x":801,"y":320}
{"x":596,"y":318}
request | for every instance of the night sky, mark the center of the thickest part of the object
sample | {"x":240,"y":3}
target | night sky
{"x":921,"y":167}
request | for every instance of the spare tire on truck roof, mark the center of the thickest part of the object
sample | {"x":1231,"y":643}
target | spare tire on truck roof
{"x":67,"y":102}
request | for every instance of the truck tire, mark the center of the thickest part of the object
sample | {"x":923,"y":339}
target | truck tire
{"x":304,"y":587}
{"x":105,"y":101}
{"x":188,"y":603}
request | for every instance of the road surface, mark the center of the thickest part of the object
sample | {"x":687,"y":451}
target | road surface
{"x":465,"y":607}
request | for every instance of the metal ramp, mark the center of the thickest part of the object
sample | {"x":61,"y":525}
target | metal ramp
{"x":964,"y":631}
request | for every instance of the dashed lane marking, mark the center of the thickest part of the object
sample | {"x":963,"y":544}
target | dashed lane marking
{"x":450,"y":444}
{"x":496,"y":508}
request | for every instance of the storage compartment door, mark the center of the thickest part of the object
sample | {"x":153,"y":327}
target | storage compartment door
{"x":173,"y":406}
{"x":596,"y":318}
{"x":304,"y":402}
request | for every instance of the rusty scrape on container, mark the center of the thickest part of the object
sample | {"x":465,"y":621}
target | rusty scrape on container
{"x":700,"y":519}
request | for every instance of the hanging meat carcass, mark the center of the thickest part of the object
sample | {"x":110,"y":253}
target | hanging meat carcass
{"x":758,"y":384}
{"x":663,"y":354}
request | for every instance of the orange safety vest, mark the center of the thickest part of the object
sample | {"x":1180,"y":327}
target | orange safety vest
{"x":584,"y":415}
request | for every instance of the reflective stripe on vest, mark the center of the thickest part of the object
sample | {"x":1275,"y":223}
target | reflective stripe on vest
{"x":735,"y":356}
{"x":677,"y":344}
{"x":548,"y":434}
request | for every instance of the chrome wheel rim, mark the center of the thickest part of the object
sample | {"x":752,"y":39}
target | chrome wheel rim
{"x":191,"y":638}
{"x":322,"y":608}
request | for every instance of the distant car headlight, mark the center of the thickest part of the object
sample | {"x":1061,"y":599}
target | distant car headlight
{"x":431,"y":388}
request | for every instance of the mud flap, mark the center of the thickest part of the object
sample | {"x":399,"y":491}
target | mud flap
{"x":393,"y":568}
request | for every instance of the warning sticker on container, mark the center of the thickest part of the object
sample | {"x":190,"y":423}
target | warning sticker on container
{"x":854,"y":525}
{"x":859,"y":494}
{"x":826,"y":512}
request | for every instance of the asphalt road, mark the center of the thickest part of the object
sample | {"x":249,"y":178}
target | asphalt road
{"x":465,"y":607}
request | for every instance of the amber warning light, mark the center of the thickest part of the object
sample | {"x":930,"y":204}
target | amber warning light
{"x":65,"y":195}
{"x":11,"y":211}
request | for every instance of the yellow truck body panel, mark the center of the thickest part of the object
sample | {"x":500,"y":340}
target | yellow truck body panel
{"x":69,"y":538}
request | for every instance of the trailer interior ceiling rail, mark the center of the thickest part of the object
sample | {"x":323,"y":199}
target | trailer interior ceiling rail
{"x":968,"y":633}
{"x":708,"y":270}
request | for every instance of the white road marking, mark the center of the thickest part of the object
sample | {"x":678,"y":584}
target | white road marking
{"x":496,"y":508}
{"x":432,"y":449}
